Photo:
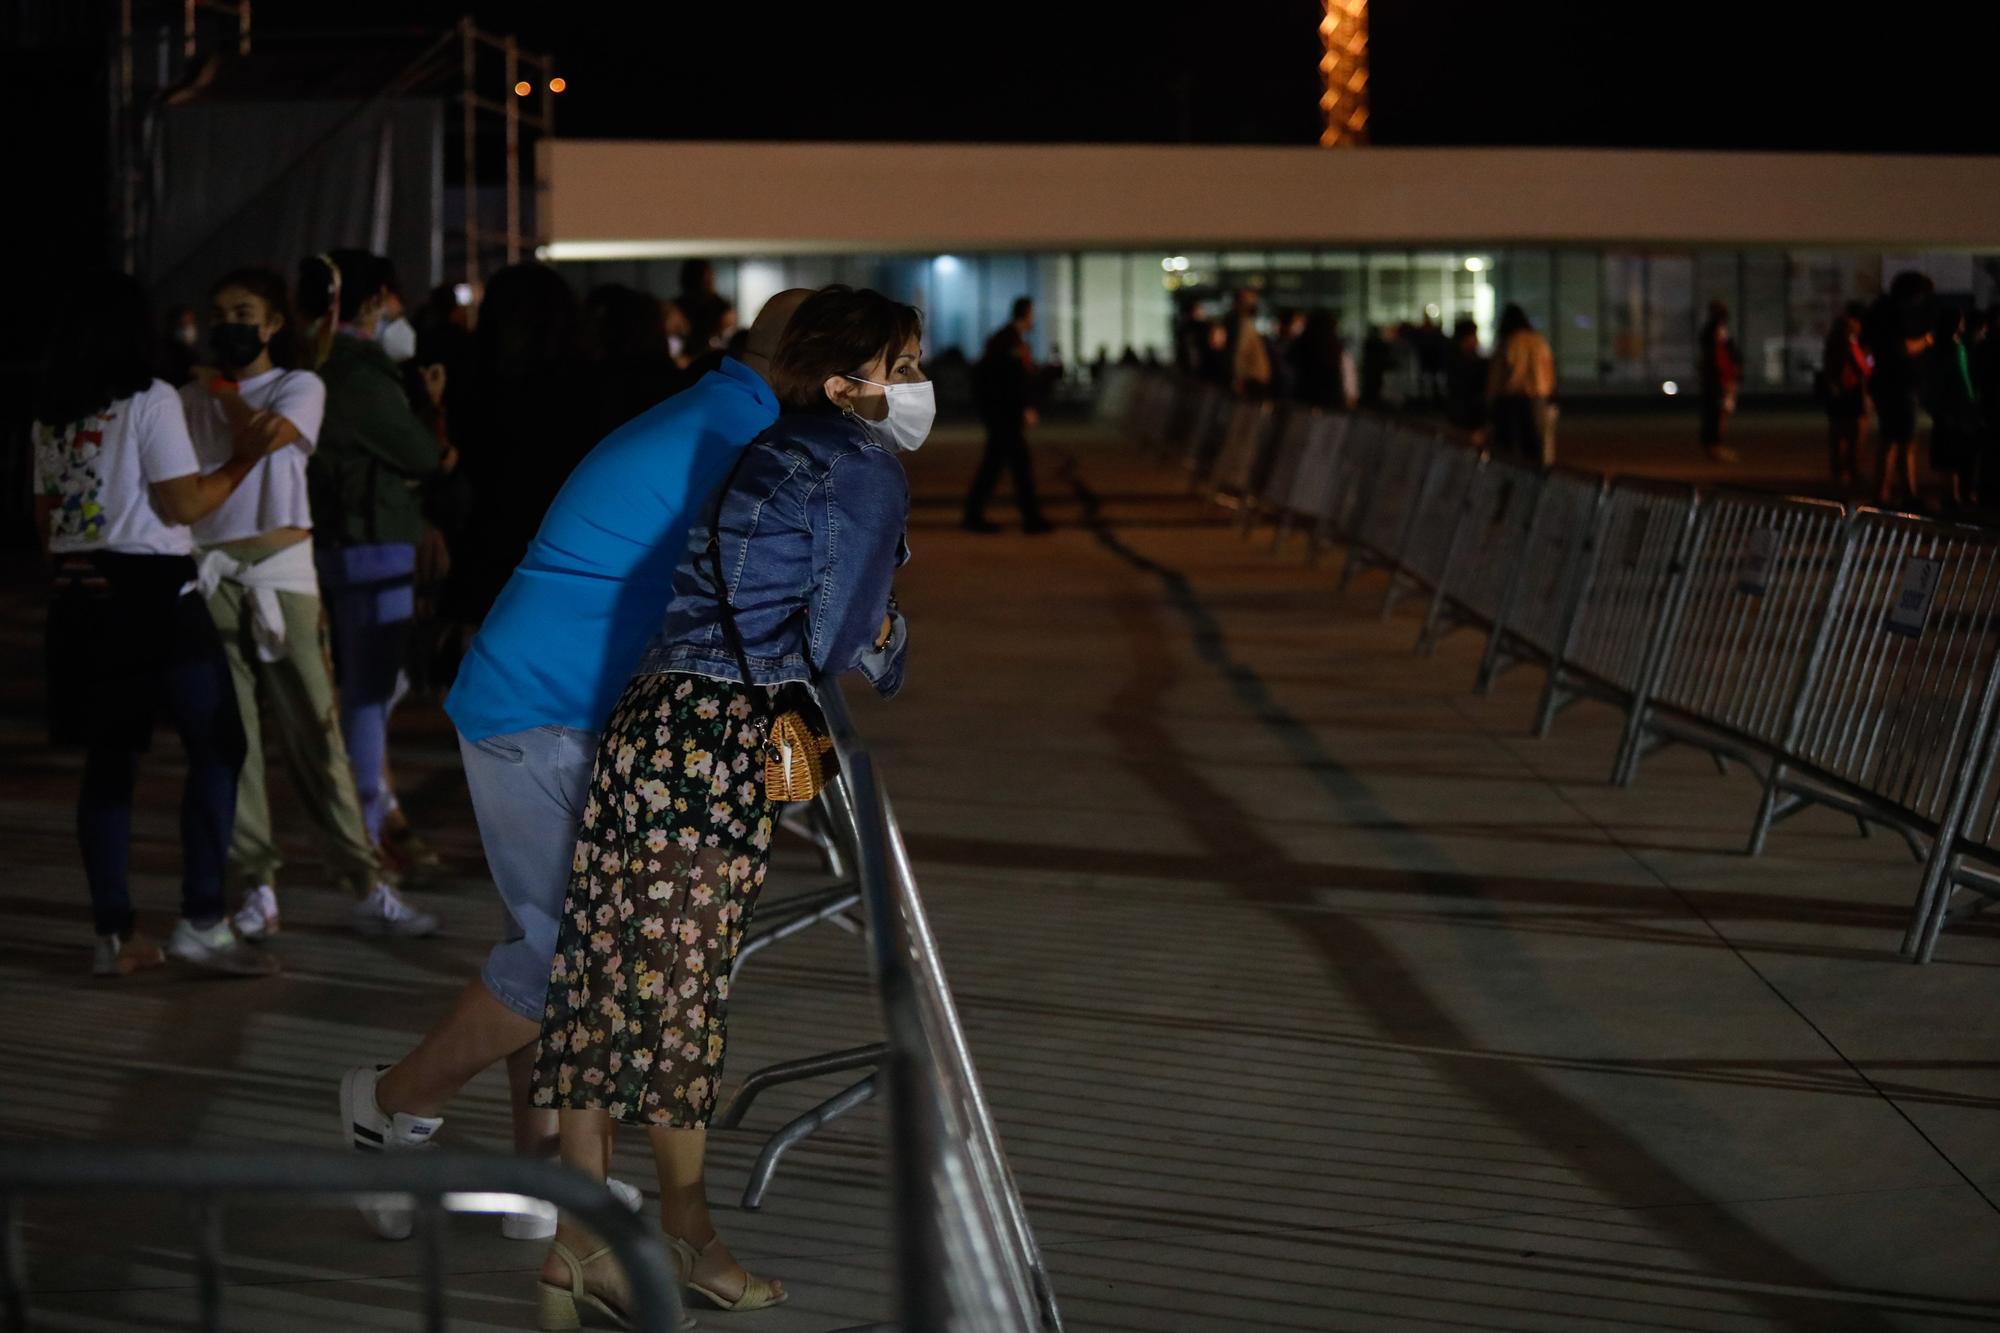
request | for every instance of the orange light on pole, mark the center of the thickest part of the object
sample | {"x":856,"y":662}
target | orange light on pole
{"x":523,"y":88}
{"x":557,"y":85}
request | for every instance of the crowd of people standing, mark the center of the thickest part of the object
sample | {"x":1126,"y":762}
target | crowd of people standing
{"x":1300,"y":356}
{"x":1908,"y":352}
{"x":628,"y":509}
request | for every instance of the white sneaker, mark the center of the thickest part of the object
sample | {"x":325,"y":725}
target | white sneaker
{"x":539,"y":1221}
{"x":365,"y":1128}
{"x":384,"y":912}
{"x":217,"y":950}
{"x":257,"y":919}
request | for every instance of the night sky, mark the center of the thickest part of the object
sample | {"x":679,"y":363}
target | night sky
{"x":1909,"y":77}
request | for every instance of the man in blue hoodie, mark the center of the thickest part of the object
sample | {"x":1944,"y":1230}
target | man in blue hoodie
{"x":535,"y":686}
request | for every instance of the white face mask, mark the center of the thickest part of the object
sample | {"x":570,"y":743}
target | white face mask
{"x":912,"y":409}
{"x":398,"y":338}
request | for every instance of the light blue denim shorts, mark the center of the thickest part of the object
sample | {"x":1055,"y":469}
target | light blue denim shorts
{"x":527,"y":792}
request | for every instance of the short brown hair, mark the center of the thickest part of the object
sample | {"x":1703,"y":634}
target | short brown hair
{"x":836,"y":331}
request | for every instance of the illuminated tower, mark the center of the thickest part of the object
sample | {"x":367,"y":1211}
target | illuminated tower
{"x":1345,"y":69}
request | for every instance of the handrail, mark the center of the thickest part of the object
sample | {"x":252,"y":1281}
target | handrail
{"x":966,"y":1255}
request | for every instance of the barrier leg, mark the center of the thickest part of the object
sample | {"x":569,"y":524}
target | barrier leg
{"x":836,"y":904}
{"x":1927,"y":916}
{"x":1767,"y":809}
{"x":799,"y":1130}
{"x":792,"y":1071}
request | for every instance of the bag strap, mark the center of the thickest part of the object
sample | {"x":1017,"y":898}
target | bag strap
{"x":721,"y":584}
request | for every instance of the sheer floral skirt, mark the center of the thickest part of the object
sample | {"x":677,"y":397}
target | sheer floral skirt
{"x":674,"y":843}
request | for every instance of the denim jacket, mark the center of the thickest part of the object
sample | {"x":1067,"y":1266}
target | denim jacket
{"x":812,"y":530}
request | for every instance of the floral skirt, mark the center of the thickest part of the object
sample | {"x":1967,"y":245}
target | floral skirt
{"x":673,"y":846}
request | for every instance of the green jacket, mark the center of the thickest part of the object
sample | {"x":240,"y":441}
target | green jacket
{"x":372,"y":454}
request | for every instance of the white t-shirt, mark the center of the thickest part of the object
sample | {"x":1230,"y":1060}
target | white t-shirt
{"x":274,"y":494}
{"x":101,"y":471}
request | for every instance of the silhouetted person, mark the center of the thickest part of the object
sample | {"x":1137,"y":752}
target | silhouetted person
{"x":1465,"y":379}
{"x":625,"y":341}
{"x":1520,"y":386}
{"x":1005,"y":385}
{"x":527,"y":429}
{"x":1323,"y":373}
{"x":1720,"y":371}
{"x":1431,"y":351}
{"x":1374,"y":366}
{"x":702,"y":306}
{"x":1844,"y":366}
{"x":1191,"y":339}
{"x":1214,"y":360}
{"x":1953,"y":403}
{"x":1284,"y":379}
{"x":1897,"y":331}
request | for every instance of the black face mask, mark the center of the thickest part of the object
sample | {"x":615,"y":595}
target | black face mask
{"x":236,"y":345}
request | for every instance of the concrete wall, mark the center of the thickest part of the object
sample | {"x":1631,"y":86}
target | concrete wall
{"x":629,"y":198}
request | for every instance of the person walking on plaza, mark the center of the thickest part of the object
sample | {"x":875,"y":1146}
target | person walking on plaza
{"x":1720,"y":372}
{"x":1465,"y":379}
{"x":1844,"y":368}
{"x":535,"y":688}
{"x":766,"y":601}
{"x":1521,"y":388}
{"x":1249,"y":357}
{"x":1006,"y":386}
{"x":116,"y":482}
{"x":262,"y":585}
{"x":1322,"y":370}
{"x":1897,"y":333}
{"x":1952,"y":401}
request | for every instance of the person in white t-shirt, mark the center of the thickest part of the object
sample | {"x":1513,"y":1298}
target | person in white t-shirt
{"x":258,"y":571}
{"x":116,"y":482}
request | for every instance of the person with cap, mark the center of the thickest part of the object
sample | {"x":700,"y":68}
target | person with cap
{"x":534,"y":690}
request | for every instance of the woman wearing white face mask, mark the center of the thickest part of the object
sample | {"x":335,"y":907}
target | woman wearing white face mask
{"x":784,"y":581}
{"x":363,"y":524}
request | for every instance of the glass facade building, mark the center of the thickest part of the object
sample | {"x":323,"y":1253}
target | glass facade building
{"x":1621,"y":321}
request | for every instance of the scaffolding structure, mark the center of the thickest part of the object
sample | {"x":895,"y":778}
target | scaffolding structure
{"x":1344,"y":68}
{"x":167,"y":51}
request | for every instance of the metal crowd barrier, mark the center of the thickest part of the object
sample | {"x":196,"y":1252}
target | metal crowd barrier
{"x":1964,"y":861}
{"x":1619,"y":597}
{"x":1245,"y":445}
{"x":1424,"y":556}
{"x":1485,"y":548}
{"x":1388,"y":505}
{"x":1274,"y":491}
{"x":1850,"y":659}
{"x":210,"y":1181}
{"x":966,"y":1256}
{"x":1735,"y":642}
{"x":1899,"y":691}
{"x":1555,"y":554}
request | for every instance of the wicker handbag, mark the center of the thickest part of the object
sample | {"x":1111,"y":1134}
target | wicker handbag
{"x":795,"y":750}
{"x":795,"y":767}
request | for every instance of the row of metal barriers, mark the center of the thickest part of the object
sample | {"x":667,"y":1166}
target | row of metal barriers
{"x":1850,"y":656}
{"x":966,"y":1259}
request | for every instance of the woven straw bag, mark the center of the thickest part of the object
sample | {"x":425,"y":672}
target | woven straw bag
{"x":795,"y":758}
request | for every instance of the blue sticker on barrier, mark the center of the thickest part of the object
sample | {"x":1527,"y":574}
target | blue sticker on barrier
{"x":1915,"y":587}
